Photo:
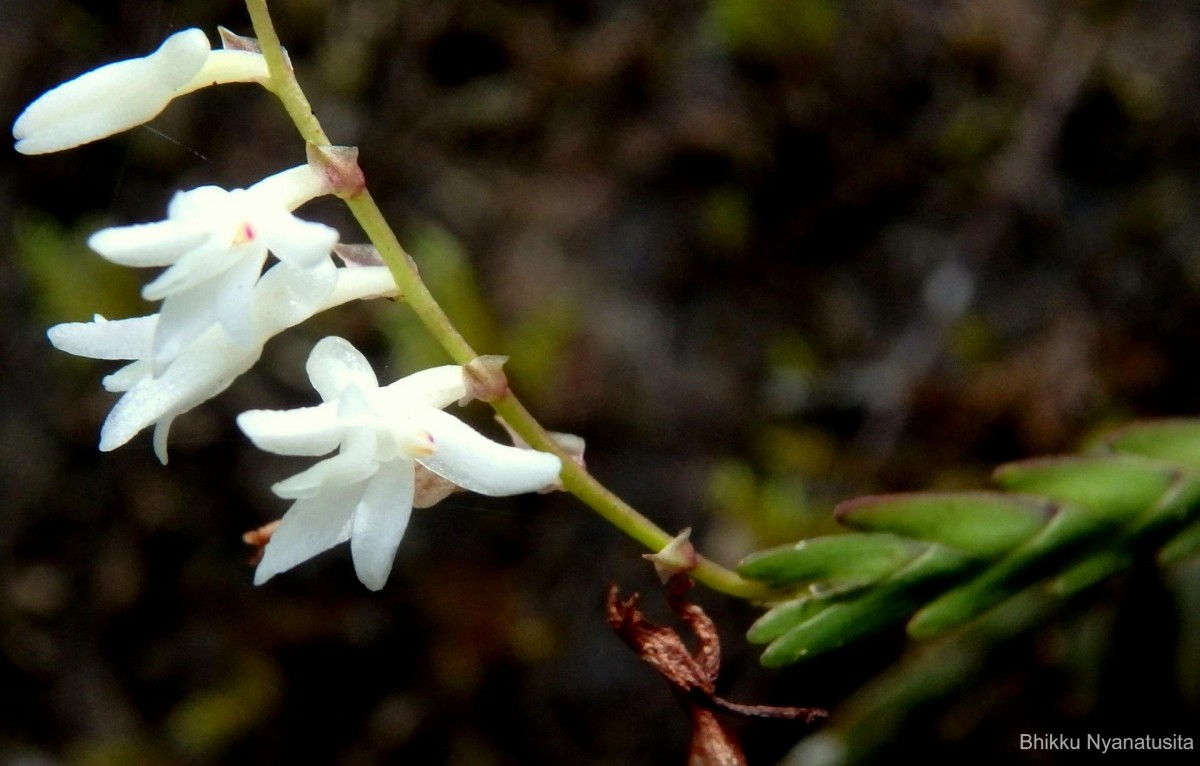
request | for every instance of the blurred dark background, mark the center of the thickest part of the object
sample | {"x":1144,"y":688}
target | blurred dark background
{"x":765,"y":255}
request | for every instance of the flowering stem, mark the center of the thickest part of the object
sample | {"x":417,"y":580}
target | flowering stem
{"x":575,"y":478}
{"x":283,"y":81}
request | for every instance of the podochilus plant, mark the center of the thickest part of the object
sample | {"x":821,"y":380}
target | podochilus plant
{"x":239,"y":266}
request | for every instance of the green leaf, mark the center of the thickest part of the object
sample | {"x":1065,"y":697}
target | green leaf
{"x":1030,"y":562}
{"x":1182,"y":546}
{"x":855,"y":559}
{"x":984,"y":524}
{"x":886,"y":604}
{"x":1115,"y":488}
{"x":1091,"y":571}
{"x":1176,"y":440}
{"x":783,"y":617}
{"x":1142,"y":496}
{"x":1179,"y":505}
{"x":1069,"y":521}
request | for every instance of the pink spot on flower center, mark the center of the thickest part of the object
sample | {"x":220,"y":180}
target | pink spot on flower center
{"x":245,"y":234}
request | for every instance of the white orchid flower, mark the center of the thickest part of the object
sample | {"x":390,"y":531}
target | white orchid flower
{"x":125,"y":94}
{"x":211,"y":362}
{"x":364,"y":493}
{"x":215,"y":243}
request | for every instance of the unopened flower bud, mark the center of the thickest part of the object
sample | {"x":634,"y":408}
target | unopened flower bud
{"x":125,"y":94}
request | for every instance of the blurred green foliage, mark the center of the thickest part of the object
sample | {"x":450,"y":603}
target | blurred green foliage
{"x":775,"y":27}
{"x":70,"y":282}
{"x":536,"y":339}
{"x":208,"y":722}
{"x":444,"y":267}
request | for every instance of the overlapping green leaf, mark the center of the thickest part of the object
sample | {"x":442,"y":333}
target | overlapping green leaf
{"x":984,"y":524}
{"x":853,"y":559}
{"x":786,"y":615}
{"x":1114,"y":488}
{"x":1071,"y":522}
{"x":887,"y":603}
{"x":1183,"y":545}
{"x":1098,"y":495}
{"x":1175,"y":440}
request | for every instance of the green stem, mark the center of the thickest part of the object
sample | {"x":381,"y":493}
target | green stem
{"x":283,"y":82}
{"x":575,"y":478}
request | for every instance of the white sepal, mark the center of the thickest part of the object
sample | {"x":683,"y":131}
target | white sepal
{"x":206,"y":365}
{"x":438,"y":387}
{"x":353,"y":464}
{"x":310,"y":527}
{"x":334,"y":366}
{"x":379,"y":522}
{"x":308,"y":431}
{"x":105,"y":339}
{"x":475,"y":462}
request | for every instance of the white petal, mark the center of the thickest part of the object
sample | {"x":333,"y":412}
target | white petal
{"x":201,"y":265}
{"x":400,"y":438}
{"x":380,"y":520}
{"x":200,"y":206}
{"x":435,"y":387}
{"x":162,"y":431}
{"x":289,"y":189}
{"x":104,"y":339}
{"x":235,"y":300}
{"x":285,"y":297}
{"x":300,"y":243}
{"x":355,"y":463}
{"x":474,"y":462}
{"x":306,"y":431}
{"x":184,"y":317}
{"x":334,"y":365}
{"x":112,"y":98}
{"x":309,"y":527}
{"x":147,"y":244}
{"x":127,"y":377}
{"x":207,"y":369}
{"x":353,"y":409}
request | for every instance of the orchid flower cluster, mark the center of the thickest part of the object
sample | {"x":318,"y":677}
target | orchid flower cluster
{"x":395,"y":447}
